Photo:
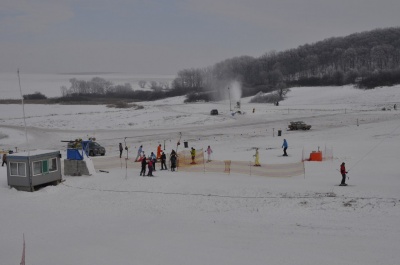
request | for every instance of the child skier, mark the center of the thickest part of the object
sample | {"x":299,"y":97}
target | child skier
{"x":193,"y":154}
{"x":150,"y":167}
{"x":257,"y":160}
{"x":139,"y":153}
{"x":209,"y":152}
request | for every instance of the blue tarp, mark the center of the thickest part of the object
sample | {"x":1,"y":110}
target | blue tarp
{"x":73,"y":154}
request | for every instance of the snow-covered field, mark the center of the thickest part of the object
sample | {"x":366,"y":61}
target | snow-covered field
{"x":213,"y":218}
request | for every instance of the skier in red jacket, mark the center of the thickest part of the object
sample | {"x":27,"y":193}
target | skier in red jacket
{"x":343,"y":172}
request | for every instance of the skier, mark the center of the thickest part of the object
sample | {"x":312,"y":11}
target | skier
{"x":343,"y":172}
{"x":193,"y":154}
{"x":159,"y":151}
{"x":284,"y":146}
{"x":139,"y":153}
{"x":209,"y":152}
{"x":163,"y":159}
{"x":121,"y":149}
{"x":150,"y":166}
{"x":173,"y":159}
{"x":257,"y":160}
{"x":153,"y":159}
{"x":4,"y":160}
{"x":143,"y":171}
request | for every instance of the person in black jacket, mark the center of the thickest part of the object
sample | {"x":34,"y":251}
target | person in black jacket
{"x":121,"y":149}
{"x":4,"y":159}
{"x":163,"y":159}
{"x":173,"y":157}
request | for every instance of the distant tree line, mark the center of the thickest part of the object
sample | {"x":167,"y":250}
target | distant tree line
{"x":82,"y":90}
{"x":366,"y":59}
{"x":34,"y":96}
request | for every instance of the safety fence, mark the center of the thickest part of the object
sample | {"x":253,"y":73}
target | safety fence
{"x":214,"y":166}
{"x":247,"y":168}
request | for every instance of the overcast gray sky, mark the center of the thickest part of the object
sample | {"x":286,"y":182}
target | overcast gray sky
{"x":163,"y":37}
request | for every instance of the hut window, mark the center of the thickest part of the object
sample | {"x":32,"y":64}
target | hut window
{"x":37,"y":168}
{"x":44,"y":166}
{"x":53,"y":164}
{"x":17,"y":169}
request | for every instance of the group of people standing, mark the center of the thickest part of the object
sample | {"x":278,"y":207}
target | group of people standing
{"x":151,"y":161}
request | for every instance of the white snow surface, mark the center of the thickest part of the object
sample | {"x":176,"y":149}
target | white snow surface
{"x":213,"y":218}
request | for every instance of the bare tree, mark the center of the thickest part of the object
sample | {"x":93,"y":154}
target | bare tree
{"x":142,"y":83}
{"x":64,"y":91}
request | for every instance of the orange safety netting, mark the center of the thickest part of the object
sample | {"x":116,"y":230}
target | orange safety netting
{"x":217,"y":166}
{"x":247,"y":168}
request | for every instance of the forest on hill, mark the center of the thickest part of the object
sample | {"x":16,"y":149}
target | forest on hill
{"x":367,"y":59}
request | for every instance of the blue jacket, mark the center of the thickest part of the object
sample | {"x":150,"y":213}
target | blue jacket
{"x":284,"y":145}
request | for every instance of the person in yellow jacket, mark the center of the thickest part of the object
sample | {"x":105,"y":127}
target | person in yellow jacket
{"x":193,"y":154}
{"x":257,"y":160}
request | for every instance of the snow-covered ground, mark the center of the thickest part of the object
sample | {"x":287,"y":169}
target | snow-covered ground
{"x":213,"y":218}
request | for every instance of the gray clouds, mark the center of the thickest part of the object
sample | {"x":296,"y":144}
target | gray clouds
{"x":163,"y":37}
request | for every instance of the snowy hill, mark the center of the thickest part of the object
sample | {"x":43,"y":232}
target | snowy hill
{"x":213,"y":218}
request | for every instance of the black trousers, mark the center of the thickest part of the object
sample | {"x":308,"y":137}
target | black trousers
{"x":143,"y":171}
{"x":343,"y":179}
{"x":284,"y":151}
{"x":163,"y":165}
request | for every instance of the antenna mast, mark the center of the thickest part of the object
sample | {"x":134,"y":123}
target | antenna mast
{"x":23,"y":111}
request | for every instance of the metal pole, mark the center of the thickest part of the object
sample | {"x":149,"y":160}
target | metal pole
{"x":23,"y":110}
{"x":230,"y":103}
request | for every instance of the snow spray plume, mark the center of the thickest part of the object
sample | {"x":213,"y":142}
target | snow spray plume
{"x":225,"y":89}
{"x":236,"y":90}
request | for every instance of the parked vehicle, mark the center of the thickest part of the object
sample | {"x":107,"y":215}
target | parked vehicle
{"x":299,"y":125}
{"x":214,"y":112}
{"x":96,"y":149}
{"x":91,"y":148}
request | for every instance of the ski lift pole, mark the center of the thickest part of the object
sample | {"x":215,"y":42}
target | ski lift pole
{"x":179,"y":142}
{"x":126,"y":148}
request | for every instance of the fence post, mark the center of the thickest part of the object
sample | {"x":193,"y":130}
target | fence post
{"x":204,"y":164}
{"x":227,"y":166}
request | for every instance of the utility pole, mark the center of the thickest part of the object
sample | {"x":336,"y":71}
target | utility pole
{"x":230,"y":103}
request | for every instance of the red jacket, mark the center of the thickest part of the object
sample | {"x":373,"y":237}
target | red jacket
{"x":342,"y":169}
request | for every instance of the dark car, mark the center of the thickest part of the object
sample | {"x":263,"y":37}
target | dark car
{"x":92,"y":149}
{"x":214,"y":112}
{"x":96,"y":149}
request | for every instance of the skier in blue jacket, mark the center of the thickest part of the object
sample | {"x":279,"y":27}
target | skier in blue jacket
{"x":284,"y":146}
